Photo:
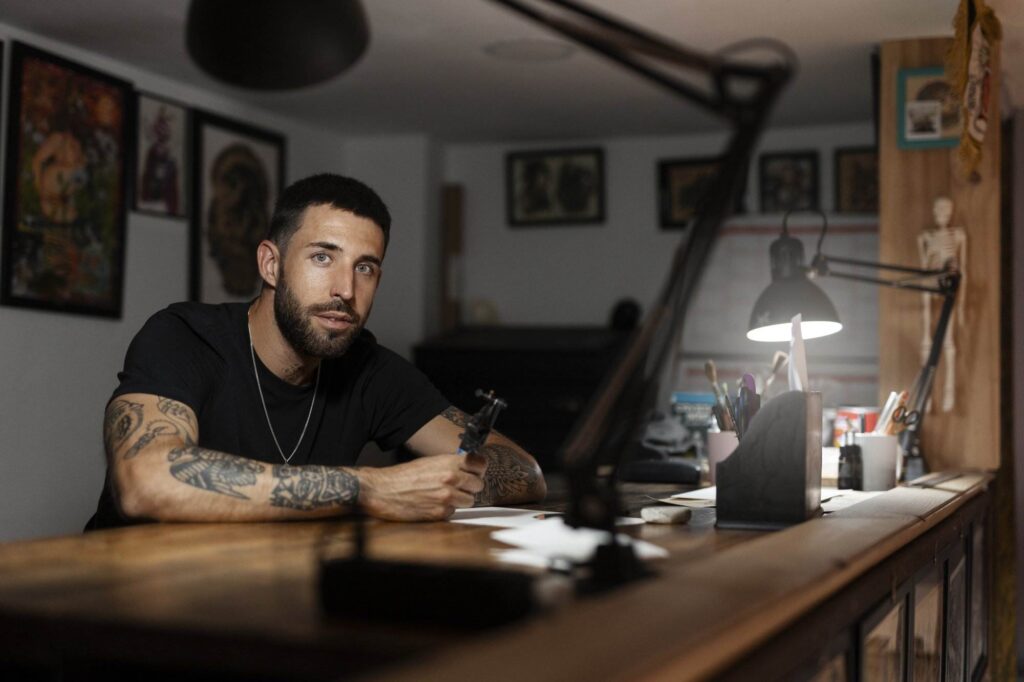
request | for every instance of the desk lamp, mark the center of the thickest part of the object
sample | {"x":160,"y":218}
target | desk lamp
{"x":792,"y":291}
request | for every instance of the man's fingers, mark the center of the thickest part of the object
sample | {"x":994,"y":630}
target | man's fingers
{"x":475,"y":463}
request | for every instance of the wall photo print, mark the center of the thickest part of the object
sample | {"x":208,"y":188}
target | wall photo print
{"x":788,"y":181}
{"x":929,"y":110}
{"x":856,"y":178}
{"x":161,"y":164}
{"x":555,"y":187}
{"x":239,"y":173}
{"x":69,"y":142}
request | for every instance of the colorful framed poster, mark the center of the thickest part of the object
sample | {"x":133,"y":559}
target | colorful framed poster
{"x":161,"y":159}
{"x":788,"y":181}
{"x":929,"y":111}
{"x":69,"y":137}
{"x":555,"y":187}
{"x":856,"y":180}
{"x":239,"y":174}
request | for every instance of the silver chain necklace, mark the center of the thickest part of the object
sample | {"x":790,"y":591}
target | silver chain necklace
{"x":288,"y":459}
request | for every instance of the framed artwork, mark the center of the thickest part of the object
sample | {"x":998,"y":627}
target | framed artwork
{"x":928,"y":109}
{"x":788,"y":181}
{"x":161,"y":158}
{"x":555,"y":187}
{"x":682,"y":185}
{"x":239,"y":173}
{"x":69,"y":142}
{"x":856,"y":179}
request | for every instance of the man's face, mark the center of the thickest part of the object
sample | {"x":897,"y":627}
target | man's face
{"x":326,"y":281}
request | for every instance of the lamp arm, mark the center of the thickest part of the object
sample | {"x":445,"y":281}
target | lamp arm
{"x":910,"y":438}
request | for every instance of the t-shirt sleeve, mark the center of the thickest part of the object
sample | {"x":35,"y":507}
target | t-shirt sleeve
{"x":168,"y":358}
{"x":398,"y":400}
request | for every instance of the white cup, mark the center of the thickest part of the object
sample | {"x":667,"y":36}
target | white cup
{"x":879,"y":456}
{"x":720,"y":446}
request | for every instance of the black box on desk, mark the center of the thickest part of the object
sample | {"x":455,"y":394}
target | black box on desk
{"x":773,"y":478}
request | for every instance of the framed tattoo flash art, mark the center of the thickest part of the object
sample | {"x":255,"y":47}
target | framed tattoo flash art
{"x":929,"y":111}
{"x":555,"y":187}
{"x":161,"y":158}
{"x":856,"y":179}
{"x":68,"y":147}
{"x":788,"y":181}
{"x":682,"y":186}
{"x":239,"y":173}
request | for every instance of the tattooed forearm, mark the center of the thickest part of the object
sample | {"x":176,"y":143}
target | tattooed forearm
{"x":123,"y":418}
{"x":215,"y":471}
{"x":313,"y":487}
{"x":178,"y":411}
{"x":508,"y":477}
{"x":456,"y":416}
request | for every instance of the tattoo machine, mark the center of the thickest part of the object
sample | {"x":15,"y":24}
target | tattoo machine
{"x":480,"y":425}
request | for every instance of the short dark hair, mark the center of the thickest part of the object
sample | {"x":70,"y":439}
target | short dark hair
{"x":327,"y":189}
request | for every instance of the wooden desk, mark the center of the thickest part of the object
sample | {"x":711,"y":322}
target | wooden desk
{"x":241,"y":599}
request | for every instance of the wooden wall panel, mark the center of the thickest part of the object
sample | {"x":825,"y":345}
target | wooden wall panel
{"x":909,"y":182}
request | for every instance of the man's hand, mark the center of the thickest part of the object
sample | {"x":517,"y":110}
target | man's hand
{"x":425,"y":489}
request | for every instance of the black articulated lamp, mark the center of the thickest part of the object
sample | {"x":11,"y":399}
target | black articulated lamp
{"x":792,"y":292}
{"x":275,"y":45}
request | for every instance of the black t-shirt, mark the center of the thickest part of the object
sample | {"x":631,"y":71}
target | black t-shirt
{"x":199,"y":355}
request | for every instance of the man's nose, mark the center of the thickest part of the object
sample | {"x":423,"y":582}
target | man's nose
{"x":343,"y":285}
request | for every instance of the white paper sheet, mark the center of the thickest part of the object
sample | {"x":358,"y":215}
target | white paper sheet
{"x":797,"y":358}
{"x":698,"y":494}
{"x":499,"y":517}
{"x":553,"y":539}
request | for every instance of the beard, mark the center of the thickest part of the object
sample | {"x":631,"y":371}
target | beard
{"x":297,"y":326}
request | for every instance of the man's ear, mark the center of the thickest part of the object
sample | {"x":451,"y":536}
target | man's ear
{"x":268,"y":260}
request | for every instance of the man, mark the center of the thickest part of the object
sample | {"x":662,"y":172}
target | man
{"x":256,"y":412}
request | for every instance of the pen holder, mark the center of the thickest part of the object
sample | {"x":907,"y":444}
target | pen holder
{"x":773,"y":478}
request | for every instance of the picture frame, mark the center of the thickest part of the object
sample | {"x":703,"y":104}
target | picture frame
{"x":682,"y":184}
{"x":162,"y":170}
{"x":555,"y":187}
{"x":69,"y":147}
{"x":929,"y":112}
{"x":856,"y":180}
{"x":240,"y":171}
{"x":788,"y":181}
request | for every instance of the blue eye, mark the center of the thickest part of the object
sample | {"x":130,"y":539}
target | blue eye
{"x":321,"y":258}
{"x":365,"y":268}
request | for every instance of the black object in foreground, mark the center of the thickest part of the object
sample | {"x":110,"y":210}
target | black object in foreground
{"x":481,"y":423}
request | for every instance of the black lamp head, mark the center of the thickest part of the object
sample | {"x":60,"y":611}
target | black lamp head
{"x":790,"y":293}
{"x":275,"y":45}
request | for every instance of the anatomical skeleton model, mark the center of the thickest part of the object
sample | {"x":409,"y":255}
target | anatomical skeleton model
{"x":943,"y":248}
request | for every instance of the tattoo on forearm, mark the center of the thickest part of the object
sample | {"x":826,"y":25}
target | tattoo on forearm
{"x":456,"y":416}
{"x":123,"y":418}
{"x":508,"y":477}
{"x":154,"y":430}
{"x":215,"y":471}
{"x":313,"y":487}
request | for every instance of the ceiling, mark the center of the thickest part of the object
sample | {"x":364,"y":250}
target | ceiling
{"x":426,"y":69}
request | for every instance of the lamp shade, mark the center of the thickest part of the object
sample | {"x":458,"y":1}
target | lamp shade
{"x":771,"y":318}
{"x":275,"y":45}
{"x":790,"y":293}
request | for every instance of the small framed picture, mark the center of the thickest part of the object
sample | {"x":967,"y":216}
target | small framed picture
{"x":929,"y":111}
{"x":682,"y":186}
{"x":239,"y":173}
{"x":69,"y":148}
{"x":856,"y":180}
{"x":788,"y":181}
{"x":161,"y":164}
{"x":555,"y":187}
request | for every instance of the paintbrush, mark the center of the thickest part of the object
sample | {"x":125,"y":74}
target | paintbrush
{"x":712,"y":374}
{"x":778,"y":362}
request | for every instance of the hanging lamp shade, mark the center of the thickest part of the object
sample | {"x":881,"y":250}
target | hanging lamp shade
{"x":275,"y":44}
{"x":790,"y":293}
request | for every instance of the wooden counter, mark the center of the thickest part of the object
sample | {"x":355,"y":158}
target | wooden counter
{"x":241,"y":599}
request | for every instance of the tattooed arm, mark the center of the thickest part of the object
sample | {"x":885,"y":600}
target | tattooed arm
{"x":512,"y":476}
{"x":158,"y":471}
